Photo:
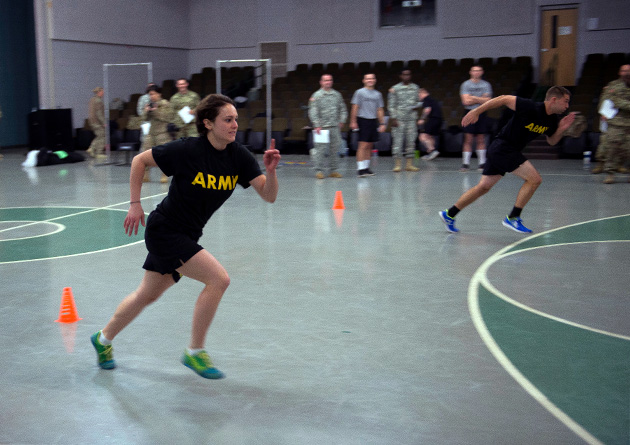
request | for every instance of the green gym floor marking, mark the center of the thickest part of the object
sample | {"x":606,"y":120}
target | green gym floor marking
{"x":38,"y":233}
{"x":580,"y":374}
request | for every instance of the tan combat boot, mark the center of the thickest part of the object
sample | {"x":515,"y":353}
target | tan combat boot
{"x":410,"y":167}
{"x":164,"y":179}
{"x":610,"y":179}
{"x":397,"y":165}
{"x":598,"y":168}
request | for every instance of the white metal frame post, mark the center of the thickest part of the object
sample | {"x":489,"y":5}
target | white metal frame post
{"x":268,"y":90}
{"x":149,"y":66}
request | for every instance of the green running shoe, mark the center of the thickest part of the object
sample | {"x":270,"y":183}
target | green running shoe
{"x":105,"y":352}
{"x":202,"y":365}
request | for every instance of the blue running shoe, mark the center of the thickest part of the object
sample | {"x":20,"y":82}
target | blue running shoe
{"x":202,"y":365}
{"x":515,"y":224}
{"x":105,"y":352}
{"x":450,"y":222}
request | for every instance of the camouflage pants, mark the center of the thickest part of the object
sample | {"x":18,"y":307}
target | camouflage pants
{"x":600,"y":153}
{"x":616,"y":151}
{"x":407,"y":132}
{"x":331,"y":149}
{"x":188,"y":131}
{"x":97,"y":147}
{"x":153,"y":140}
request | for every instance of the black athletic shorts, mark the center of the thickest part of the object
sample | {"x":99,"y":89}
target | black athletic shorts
{"x":169,"y":247}
{"x":432,"y":127}
{"x":482,"y":126}
{"x":501,"y":160}
{"x":368,"y":129}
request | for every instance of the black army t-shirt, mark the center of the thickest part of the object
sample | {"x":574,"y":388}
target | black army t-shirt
{"x":203,"y":179}
{"x":529,"y":121}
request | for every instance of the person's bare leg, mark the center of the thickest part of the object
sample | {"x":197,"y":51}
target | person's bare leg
{"x":428,"y":141}
{"x":480,"y":142}
{"x":364,"y":151}
{"x":205,"y":268}
{"x":153,"y":285}
{"x":532,"y":178}
{"x":480,"y":148}
{"x":466,"y":151}
{"x":471,"y":195}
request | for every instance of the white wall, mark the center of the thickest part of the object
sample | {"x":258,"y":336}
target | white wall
{"x":282,"y":20}
{"x":76,"y":37}
{"x":78,"y":68}
{"x":182,"y":37}
{"x":159,"y":23}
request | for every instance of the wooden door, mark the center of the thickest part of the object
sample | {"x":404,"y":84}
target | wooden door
{"x":558,"y":41}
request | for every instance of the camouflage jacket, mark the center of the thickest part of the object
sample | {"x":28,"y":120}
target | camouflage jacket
{"x":96,"y":112}
{"x":179,"y":101}
{"x":619,"y":93}
{"x":327,"y":108}
{"x":401,"y":101}
{"x":160,"y":118}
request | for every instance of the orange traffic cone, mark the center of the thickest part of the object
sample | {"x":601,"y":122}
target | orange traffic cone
{"x":68,"y":310}
{"x":338,"y":205}
{"x":338,"y":217}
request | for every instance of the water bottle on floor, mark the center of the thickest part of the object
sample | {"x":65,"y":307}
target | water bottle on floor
{"x":587,"y":160}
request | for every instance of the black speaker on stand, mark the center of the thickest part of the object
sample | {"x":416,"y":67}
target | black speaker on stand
{"x":50,"y":129}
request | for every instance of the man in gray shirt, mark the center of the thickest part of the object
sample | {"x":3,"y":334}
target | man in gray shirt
{"x":368,"y":116}
{"x":473,"y":93}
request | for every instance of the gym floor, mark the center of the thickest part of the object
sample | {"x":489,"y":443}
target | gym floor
{"x":369,"y":325}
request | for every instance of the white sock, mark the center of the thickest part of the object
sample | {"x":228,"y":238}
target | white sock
{"x":362,"y":165}
{"x":481,"y":156}
{"x":104,"y":341}
{"x":359,"y":164}
{"x":466,"y":155}
{"x":367,"y":164}
{"x":193,"y":351}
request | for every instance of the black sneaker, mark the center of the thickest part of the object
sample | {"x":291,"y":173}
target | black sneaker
{"x":464,"y":168}
{"x":368,"y":172}
{"x":480,"y":167}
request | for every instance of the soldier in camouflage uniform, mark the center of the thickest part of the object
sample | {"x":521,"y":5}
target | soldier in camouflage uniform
{"x":159,"y":113}
{"x":184,"y":98}
{"x":96,"y":119}
{"x":402,"y":103}
{"x":617,"y":142}
{"x":327,"y":111}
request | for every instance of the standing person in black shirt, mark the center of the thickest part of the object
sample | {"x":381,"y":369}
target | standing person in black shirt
{"x":205,"y":171}
{"x":530,"y":120}
{"x":431,"y":120}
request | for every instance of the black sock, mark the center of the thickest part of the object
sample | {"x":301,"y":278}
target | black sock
{"x":452,"y":212}
{"x":515,"y":213}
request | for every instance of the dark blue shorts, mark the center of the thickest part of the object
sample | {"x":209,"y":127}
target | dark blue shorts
{"x":482,"y":126}
{"x":433,"y":127}
{"x":169,"y":247}
{"x":368,"y":129}
{"x":501,"y":161}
